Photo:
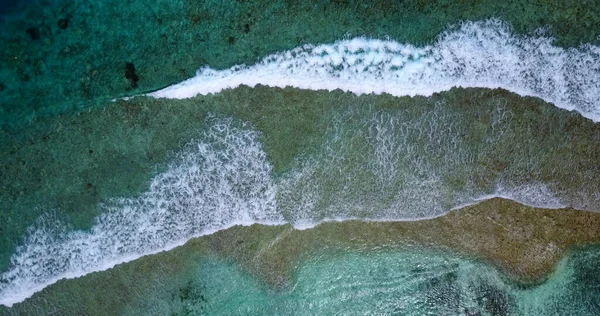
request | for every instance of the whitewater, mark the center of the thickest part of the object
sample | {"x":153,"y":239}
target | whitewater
{"x":224,"y":178}
{"x":483,"y":54}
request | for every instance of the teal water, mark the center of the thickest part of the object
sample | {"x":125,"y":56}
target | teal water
{"x":357,"y":284}
{"x":88,"y":183}
{"x":84,"y":64}
{"x":404,"y":284}
{"x":349,"y":283}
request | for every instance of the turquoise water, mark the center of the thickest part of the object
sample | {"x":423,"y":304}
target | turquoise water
{"x":300,"y":113}
{"x":351,"y":283}
{"x":401,"y":284}
{"x":359,"y":284}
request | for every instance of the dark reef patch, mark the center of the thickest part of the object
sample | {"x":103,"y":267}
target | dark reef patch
{"x":33,"y":32}
{"x":131,"y":75}
{"x":63,"y":23}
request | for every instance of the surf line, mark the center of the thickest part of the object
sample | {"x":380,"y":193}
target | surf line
{"x":483,"y":54}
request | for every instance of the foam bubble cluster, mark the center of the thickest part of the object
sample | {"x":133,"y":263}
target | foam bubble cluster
{"x":481,"y":54}
{"x":391,"y":166}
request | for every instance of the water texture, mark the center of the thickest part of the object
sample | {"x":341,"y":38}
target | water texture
{"x":481,"y":55}
{"x":292,"y":113}
{"x":375,"y":160}
{"x":408,"y":282}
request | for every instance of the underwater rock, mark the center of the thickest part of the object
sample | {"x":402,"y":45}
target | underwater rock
{"x":63,"y":23}
{"x":33,"y":33}
{"x":494,"y":300}
{"x":131,"y":75}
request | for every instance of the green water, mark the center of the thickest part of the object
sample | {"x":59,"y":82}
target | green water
{"x":364,"y":153}
{"x":404,"y":283}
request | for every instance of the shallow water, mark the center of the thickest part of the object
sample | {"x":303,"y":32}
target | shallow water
{"x":371,"y":124}
{"x":371,"y":157}
{"x":356,"y":283}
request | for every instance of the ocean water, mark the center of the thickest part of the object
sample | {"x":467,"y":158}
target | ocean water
{"x":6,"y":7}
{"x":373,"y":157}
{"x":82,"y":65}
{"x":479,"y":54}
{"x":104,"y":162}
{"x":398,"y":283}
{"x":409,"y":282}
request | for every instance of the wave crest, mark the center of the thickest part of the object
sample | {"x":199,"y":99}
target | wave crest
{"x":482,"y":54}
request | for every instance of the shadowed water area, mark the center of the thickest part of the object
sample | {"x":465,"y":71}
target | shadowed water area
{"x":374,"y":186}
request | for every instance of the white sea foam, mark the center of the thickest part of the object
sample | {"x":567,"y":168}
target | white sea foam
{"x":220,"y":181}
{"x":391,"y":178}
{"x":481,"y":54}
{"x":225,"y":179}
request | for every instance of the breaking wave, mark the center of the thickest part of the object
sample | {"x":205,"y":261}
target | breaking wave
{"x":482,"y":54}
{"x":224,"y":178}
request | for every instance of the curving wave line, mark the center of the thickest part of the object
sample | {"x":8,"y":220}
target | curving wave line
{"x":482,"y":54}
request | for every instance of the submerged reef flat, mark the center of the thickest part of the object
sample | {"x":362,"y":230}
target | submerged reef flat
{"x":525,"y":243}
{"x":71,"y":164}
{"x":146,"y":167}
{"x":61,"y":56}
